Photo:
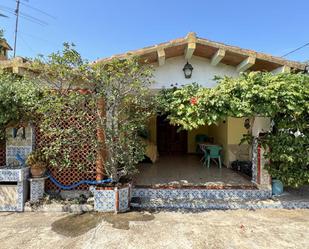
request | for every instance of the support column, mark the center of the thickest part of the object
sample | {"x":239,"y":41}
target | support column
{"x":260,"y":175}
{"x":101,"y":139}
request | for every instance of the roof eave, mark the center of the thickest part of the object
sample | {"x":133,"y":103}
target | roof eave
{"x":191,"y":37}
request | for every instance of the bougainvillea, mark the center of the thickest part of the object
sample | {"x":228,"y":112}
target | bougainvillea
{"x":284,"y":98}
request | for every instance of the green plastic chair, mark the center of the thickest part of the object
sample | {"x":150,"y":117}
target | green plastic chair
{"x":213,"y":152}
{"x":200,"y":138}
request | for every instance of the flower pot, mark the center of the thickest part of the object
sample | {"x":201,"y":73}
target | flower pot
{"x":37,"y":171}
{"x":112,"y":199}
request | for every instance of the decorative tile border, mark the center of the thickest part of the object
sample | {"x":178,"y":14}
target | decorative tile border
{"x":21,"y":146}
{"x":219,"y":205}
{"x":37,"y":186}
{"x":210,"y":194}
{"x":8,"y":208}
{"x":13,"y":175}
{"x":124,"y":196}
{"x":19,"y":176}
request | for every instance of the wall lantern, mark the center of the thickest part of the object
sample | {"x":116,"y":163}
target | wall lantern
{"x":187,"y":70}
{"x":247,"y":124}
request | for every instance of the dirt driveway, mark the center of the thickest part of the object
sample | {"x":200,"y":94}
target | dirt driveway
{"x":214,"y":229}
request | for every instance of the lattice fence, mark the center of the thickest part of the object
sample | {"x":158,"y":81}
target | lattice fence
{"x":2,"y":154}
{"x":79,"y":156}
{"x":67,"y":176}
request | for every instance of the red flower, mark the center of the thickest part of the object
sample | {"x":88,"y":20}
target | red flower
{"x":193,"y":101}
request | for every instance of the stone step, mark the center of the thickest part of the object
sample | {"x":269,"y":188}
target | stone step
{"x":204,"y":204}
{"x":210,"y":194}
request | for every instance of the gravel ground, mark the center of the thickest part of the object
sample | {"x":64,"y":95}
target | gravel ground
{"x":265,"y":228}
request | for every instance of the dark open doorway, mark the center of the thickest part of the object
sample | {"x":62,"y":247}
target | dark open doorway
{"x":169,"y":140}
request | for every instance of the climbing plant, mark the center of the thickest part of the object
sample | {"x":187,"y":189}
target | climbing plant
{"x":66,"y":113}
{"x":114,"y":95}
{"x":284,"y":98}
{"x":18,"y":98}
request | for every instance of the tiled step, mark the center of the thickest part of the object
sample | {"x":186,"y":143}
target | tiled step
{"x":209,"y":194}
{"x":204,"y":204}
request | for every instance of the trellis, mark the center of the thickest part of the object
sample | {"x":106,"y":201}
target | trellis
{"x":78,"y":156}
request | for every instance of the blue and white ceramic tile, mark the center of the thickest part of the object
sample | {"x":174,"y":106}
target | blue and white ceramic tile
{"x":124,"y":199}
{"x":12,"y":151}
{"x":19,"y":176}
{"x":13,"y":175}
{"x":104,"y":200}
{"x":9,"y":175}
{"x":201,"y":193}
{"x":37,"y":190}
{"x":220,"y":205}
{"x":254,"y":160}
{"x":8,"y":208}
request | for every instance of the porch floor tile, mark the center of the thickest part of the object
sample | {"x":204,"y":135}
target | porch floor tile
{"x":187,"y":170}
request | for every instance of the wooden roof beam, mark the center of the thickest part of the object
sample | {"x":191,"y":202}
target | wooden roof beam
{"x":217,"y":57}
{"x":161,"y":56}
{"x":191,"y":45}
{"x":190,"y":50}
{"x":282,"y":69}
{"x":246,"y":64}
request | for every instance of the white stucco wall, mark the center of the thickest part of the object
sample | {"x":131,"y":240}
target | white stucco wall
{"x":260,"y":124}
{"x":203,"y":72}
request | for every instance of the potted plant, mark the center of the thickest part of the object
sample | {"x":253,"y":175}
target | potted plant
{"x":124,"y":104}
{"x":118,"y":102}
{"x":37,"y":162}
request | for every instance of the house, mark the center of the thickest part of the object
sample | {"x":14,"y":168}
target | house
{"x":177,"y":166}
{"x":4,"y":48}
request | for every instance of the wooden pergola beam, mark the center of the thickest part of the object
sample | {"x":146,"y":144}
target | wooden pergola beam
{"x":282,"y":69}
{"x":190,"y":50}
{"x":191,"y":45}
{"x":217,"y":57}
{"x":246,"y":64}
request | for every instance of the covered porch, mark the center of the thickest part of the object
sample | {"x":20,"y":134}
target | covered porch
{"x":180,"y":171}
{"x":175,"y":158}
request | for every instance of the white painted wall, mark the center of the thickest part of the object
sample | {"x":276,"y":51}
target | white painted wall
{"x":260,"y":125}
{"x":203,"y":72}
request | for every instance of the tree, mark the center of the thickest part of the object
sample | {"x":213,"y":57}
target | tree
{"x":116,"y":100}
{"x":124,"y":86}
{"x":66,"y":116}
{"x":18,"y":98}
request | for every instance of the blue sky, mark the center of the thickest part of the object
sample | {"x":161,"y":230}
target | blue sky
{"x":102,"y":28}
